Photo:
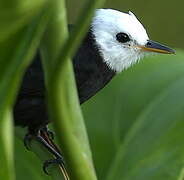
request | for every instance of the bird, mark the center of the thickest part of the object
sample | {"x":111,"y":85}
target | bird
{"x":114,"y":42}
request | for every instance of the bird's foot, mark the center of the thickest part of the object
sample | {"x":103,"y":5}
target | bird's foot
{"x":43,"y":133}
{"x":43,"y":137}
{"x":46,"y":142}
{"x":56,"y":161}
{"x":49,"y":162}
{"x":47,"y":132}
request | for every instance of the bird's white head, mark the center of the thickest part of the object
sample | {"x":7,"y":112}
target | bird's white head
{"x":121,"y":38}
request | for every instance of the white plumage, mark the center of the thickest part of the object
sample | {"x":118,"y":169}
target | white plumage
{"x":105,"y":25}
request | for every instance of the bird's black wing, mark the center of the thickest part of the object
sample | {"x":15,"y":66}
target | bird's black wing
{"x":33,"y":80}
{"x":91,"y":73}
{"x":30,"y":109}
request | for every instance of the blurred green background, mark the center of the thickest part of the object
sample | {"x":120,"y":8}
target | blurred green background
{"x":164,"y":20}
{"x":135,"y":124}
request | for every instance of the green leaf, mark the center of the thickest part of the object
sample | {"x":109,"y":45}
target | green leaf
{"x":137,"y":133}
{"x":15,"y":55}
{"x":6,"y":141}
{"x":15,"y":14}
{"x":64,"y":107}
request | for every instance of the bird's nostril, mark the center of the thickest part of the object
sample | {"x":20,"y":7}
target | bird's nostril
{"x":148,"y":43}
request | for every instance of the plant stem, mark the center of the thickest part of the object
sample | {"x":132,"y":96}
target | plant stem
{"x":13,"y":63}
{"x":62,"y":95}
{"x":6,"y":140}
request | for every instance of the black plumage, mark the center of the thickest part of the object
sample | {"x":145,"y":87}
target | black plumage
{"x":91,"y":75}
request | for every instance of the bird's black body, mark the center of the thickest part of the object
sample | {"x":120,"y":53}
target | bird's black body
{"x":91,"y":75}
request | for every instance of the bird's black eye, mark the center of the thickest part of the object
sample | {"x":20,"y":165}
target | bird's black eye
{"x":122,"y":37}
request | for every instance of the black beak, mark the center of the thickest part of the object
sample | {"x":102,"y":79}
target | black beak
{"x":157,"y":47}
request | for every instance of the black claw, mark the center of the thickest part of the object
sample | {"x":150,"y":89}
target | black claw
{"x":49,"y":162}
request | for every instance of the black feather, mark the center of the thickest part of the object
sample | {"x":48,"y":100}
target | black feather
{"x":91,"y":75}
